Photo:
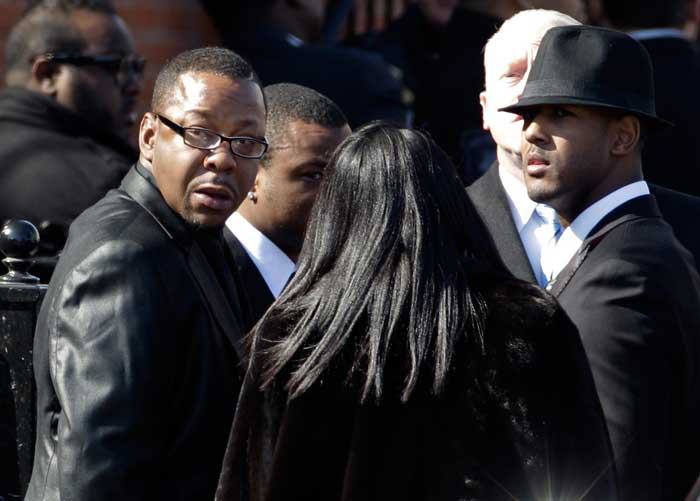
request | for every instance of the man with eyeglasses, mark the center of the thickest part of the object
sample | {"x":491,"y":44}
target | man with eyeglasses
{"x":138,"y":353}
{"x":72,"y":82}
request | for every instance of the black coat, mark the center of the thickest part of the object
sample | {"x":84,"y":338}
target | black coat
{"x":529,"y":421}
{"x":254,"y":294}
{"x":135,"y":358}
{"x":634,"y":294}
{"x":53,"y":165}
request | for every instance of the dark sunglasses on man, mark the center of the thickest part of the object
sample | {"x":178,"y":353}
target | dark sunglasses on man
{"x":123,"y":68}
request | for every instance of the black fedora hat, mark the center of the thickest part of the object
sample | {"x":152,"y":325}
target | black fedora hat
{"x":591,"y":66}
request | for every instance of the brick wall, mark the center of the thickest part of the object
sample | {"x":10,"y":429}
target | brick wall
{"x":161,"y":29}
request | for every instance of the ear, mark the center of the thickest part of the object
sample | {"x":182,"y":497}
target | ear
{"x":45,"y":75}
{"x":626,"y":134}
{"x":483,"y":102}
{"x":147,"y":135}
{"x":258,"y":181}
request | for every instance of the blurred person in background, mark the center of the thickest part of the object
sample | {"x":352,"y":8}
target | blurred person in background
{"x":72,"y":81}
{"x":281,"y":39}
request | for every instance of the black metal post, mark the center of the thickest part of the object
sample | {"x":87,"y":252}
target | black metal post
{"x":20,"y":299}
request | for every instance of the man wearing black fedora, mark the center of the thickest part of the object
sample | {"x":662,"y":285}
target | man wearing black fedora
{"x":617,"y":268}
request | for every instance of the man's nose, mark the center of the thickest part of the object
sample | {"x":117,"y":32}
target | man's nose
{"x":221,"y":158}
{"x":534,"y":133}
{"x":132,"y":85}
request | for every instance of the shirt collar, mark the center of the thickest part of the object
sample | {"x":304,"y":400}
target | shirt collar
{"x":658,"y":33}
{"x":273,"y":264}
{"x":572,"y":238}
{"x":520,"y":204}
{"x":292,"y":40}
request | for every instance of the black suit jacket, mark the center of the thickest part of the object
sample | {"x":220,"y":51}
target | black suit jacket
{"x":491,"y":202}
{"x":135,"y":358}
{"x":634,"y":295}
{"x":253,"y":292}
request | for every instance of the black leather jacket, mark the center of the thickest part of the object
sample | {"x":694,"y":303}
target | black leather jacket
{"x":135,"y":358}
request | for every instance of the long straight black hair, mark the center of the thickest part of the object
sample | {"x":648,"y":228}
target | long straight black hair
{"x":383,"y":273}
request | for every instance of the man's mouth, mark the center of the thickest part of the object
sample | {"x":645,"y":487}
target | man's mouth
{"x":217,"y":197}
{"x":536,"y":165}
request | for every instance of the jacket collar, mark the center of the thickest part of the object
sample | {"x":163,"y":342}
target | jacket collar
{"x":643,"y":207}
{"x":491,"y":202}
{"x":256,"y":295}
{"x":141,"y":186}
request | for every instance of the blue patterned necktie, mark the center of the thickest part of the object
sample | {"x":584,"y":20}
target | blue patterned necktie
{"x":553,"y":231}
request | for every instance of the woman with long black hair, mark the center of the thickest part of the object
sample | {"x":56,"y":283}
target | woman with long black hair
{"x":401,"y":363}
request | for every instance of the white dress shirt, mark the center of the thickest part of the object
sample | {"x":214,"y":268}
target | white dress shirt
{"x":527,"y":222}
{"x":273,"y":264}
{"x":570,"y":241}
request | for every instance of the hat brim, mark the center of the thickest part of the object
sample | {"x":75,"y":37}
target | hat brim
{"x":533,"y":101}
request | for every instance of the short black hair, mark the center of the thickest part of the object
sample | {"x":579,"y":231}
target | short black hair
{"x":45,"y":27}
{"x":212,"y":60}
{"x":287,"y":102}
{"x":629,"y":14}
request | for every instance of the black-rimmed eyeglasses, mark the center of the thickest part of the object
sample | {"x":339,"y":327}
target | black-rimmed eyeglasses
{"x":205,"y":139}
{"x":122,"y":67}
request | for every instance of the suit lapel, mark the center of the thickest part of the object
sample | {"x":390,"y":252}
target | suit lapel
{"x":637,"y":208}
{"x":255,"y":294}
{"x":491,"y":202}
{"x":215,"y":298}
{"x":140,"y":186}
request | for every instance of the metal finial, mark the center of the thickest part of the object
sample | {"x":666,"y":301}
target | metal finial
{"x":19,"y":240}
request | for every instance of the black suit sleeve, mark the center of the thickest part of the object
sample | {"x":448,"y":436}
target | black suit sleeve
{"x":639,"y":322}
{"x":112,"y":371}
